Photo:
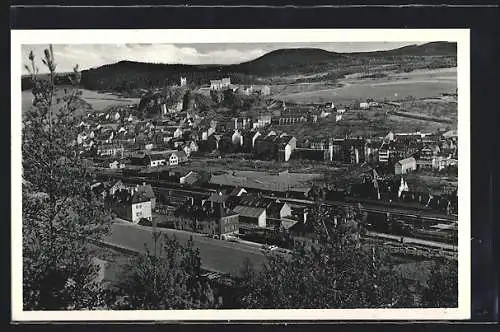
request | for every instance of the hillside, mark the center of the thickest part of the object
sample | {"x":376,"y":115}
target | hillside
{"x":289,"y":60}
{"x":427,"y":49}
{"x":127,"y":76}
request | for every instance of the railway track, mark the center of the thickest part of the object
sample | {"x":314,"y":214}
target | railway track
{"x":414,"y":212}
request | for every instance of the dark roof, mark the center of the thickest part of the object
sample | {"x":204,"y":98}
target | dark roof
{"x":248,"y":211}
{"x":216,"y":198}
{"x":146,"y":190}
{"x":139,"y":198}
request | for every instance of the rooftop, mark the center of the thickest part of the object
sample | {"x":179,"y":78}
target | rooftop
{"x":247,"y":211}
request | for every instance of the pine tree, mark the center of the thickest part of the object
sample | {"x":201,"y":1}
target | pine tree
{"x":167,"y":276}
{"x":59,"y":214}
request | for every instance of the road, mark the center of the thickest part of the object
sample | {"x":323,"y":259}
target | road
{"x":216,"y":255}
{"x":411,"y":240}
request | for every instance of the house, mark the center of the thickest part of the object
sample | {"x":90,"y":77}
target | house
{"x":262,"y":121}
{"x":364,"y":105}
{"x":193,"y":146}
{"x":302,"y":234}
{"x":82,"y":137}
{"x":177,"y":133}
{"x":289,"y":119}
{"x":173,"y":160}
{"x":249,"y":138}
{"x":132,"y":207}
{"x":183,"y":81}
{"x":145,"y":190}
{"x":117,"y":186}
{"x":251,"y":215}
{"x":265,"y":90}
{"x":116,"y":164}
{"x":266,"y":147}
{"x":237,"y":191}
{"x":237,"y":138}
{"x":279,"y":210}
{"x":181,"y":156}
{"x":247,"y":90}
{"x":220,"y":84}
{"x":109,"y":149}
{"x":287,"y":145}
{"x":406,"y":165}
{"x":219,"y":222}
{"x":189,"y":178}
{"x":149,"y":158}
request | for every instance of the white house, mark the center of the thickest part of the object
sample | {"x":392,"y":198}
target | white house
{"x":116,"y":116}
{"x":237,"y":138}
{"x":157,"y":160}
{"x":364,"y":105}
{"x":176,"y":108}
{"x":116,"y":164}
{"x":82,"y":137}
{"x":405,"y":165}
{"x":178,"y":133}
{"x":140,"y":209}
{"x":265,"y":90}
{"x":183,"y":81}
{"x":173,"y":160}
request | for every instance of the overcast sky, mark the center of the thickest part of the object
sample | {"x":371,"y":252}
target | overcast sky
{"x":95,"y":55}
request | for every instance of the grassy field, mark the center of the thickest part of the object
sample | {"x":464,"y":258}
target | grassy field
{"x":98,"y":101}
{"x":395,"y":86}
{"x":433,"y":184}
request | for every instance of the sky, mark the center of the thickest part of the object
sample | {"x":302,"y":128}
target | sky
{"x":95,"y":55}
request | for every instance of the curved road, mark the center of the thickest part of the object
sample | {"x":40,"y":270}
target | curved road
{"x":216,"y":255}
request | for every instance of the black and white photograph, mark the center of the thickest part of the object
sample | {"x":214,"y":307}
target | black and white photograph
{"x":240,"y":174}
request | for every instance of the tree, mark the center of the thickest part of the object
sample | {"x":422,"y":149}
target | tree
{"x":167,"y":276}
{"x":335,"y":273}
{"x":441,"y":290}
{"x":59,"y":211}
{"x":318,"y":278}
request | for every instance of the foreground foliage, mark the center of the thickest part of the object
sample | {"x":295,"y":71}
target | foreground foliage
{"x":59,"y":212}
{"x":167,"y":276}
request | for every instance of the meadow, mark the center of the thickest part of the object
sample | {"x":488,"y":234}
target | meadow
{"x":394,"y":86}
{"x":97,"y":100}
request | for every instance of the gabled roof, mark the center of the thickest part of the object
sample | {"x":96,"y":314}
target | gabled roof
{"x":180,"y":154}
{"x":247,"y":211}
{"x":216,"y":198}
{"x":146,"y":190}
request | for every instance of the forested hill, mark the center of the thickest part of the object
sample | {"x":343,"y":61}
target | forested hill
{"x":126,"y":76}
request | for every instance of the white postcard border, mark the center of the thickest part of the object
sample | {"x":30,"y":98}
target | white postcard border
{"x":461,"y":36}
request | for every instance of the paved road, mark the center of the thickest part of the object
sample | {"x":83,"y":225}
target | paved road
{"x":216,"y":255}
{"x":410,"y":240}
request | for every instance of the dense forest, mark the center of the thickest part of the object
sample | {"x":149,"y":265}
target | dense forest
{"x":128,"y":76}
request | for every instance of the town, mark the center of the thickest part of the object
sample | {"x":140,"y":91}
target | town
{"x":150,"y":168}
{"x":238,"y":173}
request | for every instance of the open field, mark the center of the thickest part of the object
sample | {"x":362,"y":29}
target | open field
{"x":98,"y":101}
{"x":264,"y":180}
{"x":395,"y":86}
{"x":372,"y":123}
{"x":433,"y":184}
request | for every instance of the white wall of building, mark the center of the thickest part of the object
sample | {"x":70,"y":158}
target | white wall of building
{"x":141,"y":210}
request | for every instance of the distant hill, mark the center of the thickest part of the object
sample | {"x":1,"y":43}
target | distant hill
{"x":126,"y":76}
{"x":428,"y":49}
{"x":291,"y":59}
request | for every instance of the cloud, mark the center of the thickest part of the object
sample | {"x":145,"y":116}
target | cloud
{"x":89,"y":56}
{"x":94,"y":55}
